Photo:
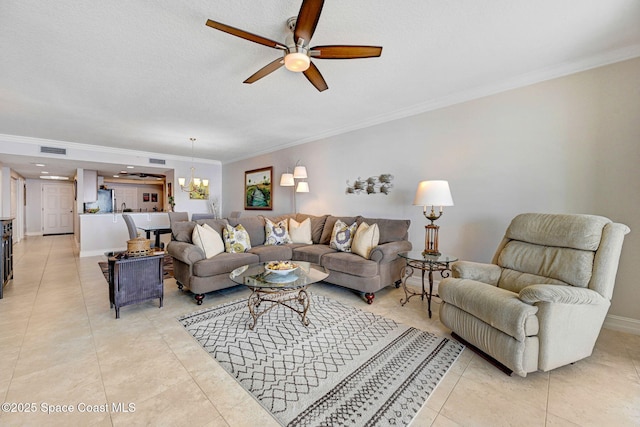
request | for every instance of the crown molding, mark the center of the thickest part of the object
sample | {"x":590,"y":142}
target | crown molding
{"x":520,"y":81}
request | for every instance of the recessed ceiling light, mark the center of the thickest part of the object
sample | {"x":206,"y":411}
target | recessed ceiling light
{"x":40,"y":164}
{"x":123,"y":171}
{"x":129,"y":167}
{"x":116,"y":176}
{"x":44,"y":172}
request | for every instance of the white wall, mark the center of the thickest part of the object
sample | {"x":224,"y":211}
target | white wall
{"x":569,"y":145}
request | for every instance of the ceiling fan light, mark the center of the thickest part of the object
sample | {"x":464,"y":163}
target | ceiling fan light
{"x":296,"y":62}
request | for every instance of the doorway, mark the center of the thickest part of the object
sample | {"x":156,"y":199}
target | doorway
{"x":57,"y":208}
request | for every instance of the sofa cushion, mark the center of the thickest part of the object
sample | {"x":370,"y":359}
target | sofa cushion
{"x":328,"y":227}
{"x":342,"y":236}
{"x":223,"y":263}
{"x":217,"y":224}
{"x":353,"y":264}
{"x":236,"y":239}
{"x":272,"y":252}
{"x":365,"y":240}
{"x":254,"y":226}
{"x":311,"y":253}
{"x":300,"y":232}
{"x":182,"y":231}
{"x":276,"y":233}
{"x":391,"y":230}
{"x":208,"y":240}
{"x":317,"y":225}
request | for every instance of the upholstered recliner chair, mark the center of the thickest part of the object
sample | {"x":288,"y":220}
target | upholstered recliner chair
{"x":543,"y":300}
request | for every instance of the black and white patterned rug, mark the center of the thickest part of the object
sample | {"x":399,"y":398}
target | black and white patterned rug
{"x":348,"y":367}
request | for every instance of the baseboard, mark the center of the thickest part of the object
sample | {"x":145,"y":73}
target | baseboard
{"x":622,"y":324}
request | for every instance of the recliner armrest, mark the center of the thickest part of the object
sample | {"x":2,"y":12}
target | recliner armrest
{"x":559,"y":294}
{"x":388,"y":252}
{"x":485,"y":273}
{"x":185,"y":252}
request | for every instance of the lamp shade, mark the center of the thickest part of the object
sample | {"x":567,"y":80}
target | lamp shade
{"x":303,"y":187}
{"x":300,"y":172}
{"x":286,"y":180}
{"x":433,"y":193}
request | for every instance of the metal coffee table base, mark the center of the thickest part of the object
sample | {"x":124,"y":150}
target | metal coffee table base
{"x":294,"y":299}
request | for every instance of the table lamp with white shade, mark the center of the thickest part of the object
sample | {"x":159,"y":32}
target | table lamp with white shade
{"x":432,"y":193}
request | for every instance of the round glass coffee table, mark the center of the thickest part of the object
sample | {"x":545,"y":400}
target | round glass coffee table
{"x":289,"y":290}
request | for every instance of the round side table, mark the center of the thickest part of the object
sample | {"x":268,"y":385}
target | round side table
{"x":425,"y":263}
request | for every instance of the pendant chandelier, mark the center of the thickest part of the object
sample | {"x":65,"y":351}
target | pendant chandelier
{"x":196,"y":187}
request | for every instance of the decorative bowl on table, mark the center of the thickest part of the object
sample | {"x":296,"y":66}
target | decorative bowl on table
{"x":281,"y":267}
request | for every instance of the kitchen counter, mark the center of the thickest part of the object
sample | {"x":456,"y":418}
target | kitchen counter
{"x":107,"y":232}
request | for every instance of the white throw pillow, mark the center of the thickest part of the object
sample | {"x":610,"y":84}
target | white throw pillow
{"x":366,"y":238}
{"x":208,"y":240}
{"x":300,"y":232}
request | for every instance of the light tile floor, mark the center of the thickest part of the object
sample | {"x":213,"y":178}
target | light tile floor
{"x":62,"y":349}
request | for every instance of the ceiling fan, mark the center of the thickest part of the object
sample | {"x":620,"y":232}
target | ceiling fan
{"x":296,"y":51}
{"x":141,"y":175}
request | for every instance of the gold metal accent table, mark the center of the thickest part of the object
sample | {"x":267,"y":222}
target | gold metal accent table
{"x":424,"y":263}
{"x":289,"y":290}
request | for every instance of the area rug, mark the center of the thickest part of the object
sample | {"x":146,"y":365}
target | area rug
{"x":348,"y":367}
{"x":167,"y":267}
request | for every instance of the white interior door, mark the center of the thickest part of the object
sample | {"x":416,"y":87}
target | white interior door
{"x":57,"y":208}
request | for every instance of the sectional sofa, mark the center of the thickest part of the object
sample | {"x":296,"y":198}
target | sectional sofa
{"x":201,"y":275}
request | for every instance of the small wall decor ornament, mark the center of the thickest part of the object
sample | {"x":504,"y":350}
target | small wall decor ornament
{"x":373,"y":185}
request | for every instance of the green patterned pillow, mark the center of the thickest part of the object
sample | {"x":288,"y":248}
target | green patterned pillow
{"x":276,"y":233}
{"x":342,"y":236}
{"x":236,"y":239}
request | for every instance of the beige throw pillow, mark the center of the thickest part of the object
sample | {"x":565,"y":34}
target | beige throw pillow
{"x":366,"y":238}
{"x":300,"y":232}
{"x":208,"y":240}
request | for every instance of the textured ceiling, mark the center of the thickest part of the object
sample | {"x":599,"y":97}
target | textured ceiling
{"x":149,"y":74}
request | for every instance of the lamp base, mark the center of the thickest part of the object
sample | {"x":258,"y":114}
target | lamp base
{"x":431,"y":253}
{"x":431,"y":239}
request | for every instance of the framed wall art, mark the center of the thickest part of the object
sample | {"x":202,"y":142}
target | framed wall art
{"x":258,"y":184}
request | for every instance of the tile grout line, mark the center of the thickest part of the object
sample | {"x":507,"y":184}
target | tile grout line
{"x":76,"y":256}
{"x":13,"y":370}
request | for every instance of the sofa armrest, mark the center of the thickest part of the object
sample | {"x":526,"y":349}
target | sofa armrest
{"x":185,"y":252}
{"x":560,"y":294}
{"x":388,"y":252}
{"x":485,"y":273}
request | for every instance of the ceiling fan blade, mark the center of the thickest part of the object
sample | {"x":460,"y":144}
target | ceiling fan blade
{"x":266,"y":70}
{"x":245,"y":35}
{"x":307,"y":20}
{"x":345,"y":52}
{"x":313,"y":75}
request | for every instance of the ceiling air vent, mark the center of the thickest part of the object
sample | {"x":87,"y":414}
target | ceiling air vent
{"x":157,"y":161}
{"x":53,"y":150}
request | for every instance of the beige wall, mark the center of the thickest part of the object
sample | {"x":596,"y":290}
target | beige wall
{"x":569,"y":145}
